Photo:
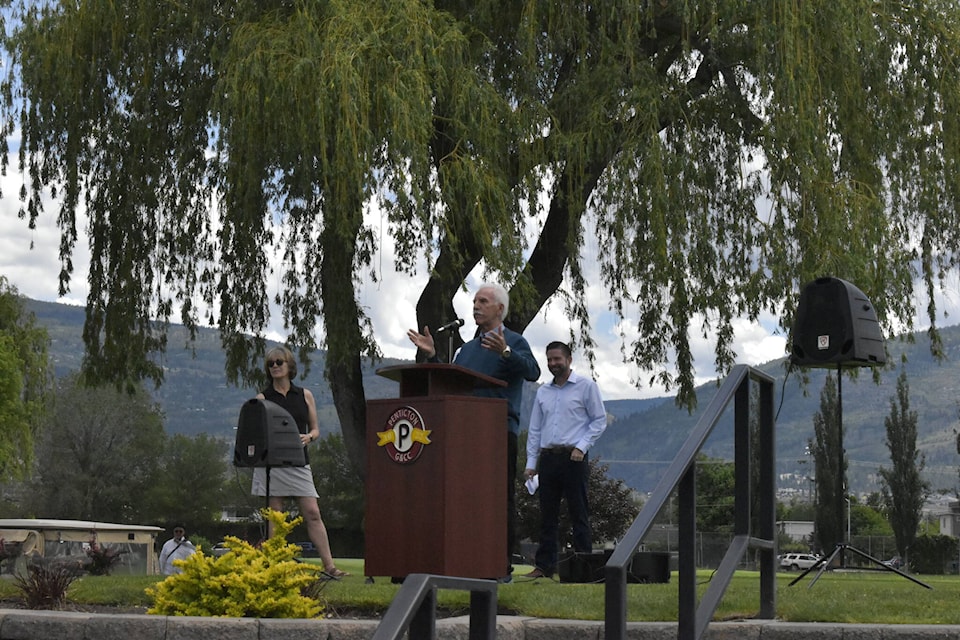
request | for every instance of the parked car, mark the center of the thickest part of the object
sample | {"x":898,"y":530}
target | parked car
{"x":307,"y":549}
{"x":219,"y":549}
{"x":896,"y":562}
{"x":798,"y":561}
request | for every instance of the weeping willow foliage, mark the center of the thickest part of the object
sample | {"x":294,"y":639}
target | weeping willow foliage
{"x":26,"y":374}
{"x":711,"y":156}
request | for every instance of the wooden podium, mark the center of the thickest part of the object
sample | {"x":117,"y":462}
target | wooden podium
{"x":436,"y":486}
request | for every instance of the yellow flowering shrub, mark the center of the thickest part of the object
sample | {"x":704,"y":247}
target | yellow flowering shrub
{"x":247,"y":582}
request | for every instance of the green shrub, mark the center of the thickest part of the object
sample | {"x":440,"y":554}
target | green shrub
{"x":931,"y":554}
{"x":201,"y":542}
{"x":248,"y":582}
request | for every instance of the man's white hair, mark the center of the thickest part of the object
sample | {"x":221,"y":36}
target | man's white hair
{"x":499,"y":294}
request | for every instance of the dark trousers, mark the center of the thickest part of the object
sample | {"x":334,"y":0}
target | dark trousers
{"x":562,"y":478}
{"x":511,"y":498}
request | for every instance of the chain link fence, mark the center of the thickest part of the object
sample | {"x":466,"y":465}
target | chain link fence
{"x":711,"y":547}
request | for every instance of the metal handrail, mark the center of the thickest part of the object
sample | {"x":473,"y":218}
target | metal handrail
{"x":415,"y":607}
{"x":693,"y":620}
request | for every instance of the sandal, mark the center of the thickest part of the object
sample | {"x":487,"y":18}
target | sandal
{"x":335,"y":574}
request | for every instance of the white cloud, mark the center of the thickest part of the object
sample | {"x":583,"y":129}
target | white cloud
{"x":29,"y":258}
{"x":756,"y":345}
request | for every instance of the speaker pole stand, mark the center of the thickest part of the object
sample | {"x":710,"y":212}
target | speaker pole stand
{"x":267,"y":497}
{"x":824,"y":563}
{"x":266,"y":504}
{"x":840,"y":551}
{"x":841,"y":469}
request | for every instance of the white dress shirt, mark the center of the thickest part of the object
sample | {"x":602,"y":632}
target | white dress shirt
{"x":567,"y":415}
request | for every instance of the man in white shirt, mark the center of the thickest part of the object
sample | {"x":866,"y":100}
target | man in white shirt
{"x":567,"y":419}
{"x":176,"y":548}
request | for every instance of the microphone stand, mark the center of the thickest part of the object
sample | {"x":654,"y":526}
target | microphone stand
{"x":449,"y":328}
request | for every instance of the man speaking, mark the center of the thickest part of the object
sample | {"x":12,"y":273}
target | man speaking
{"x":499,"y":353}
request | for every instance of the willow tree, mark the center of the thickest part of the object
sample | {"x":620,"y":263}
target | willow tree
{"x":206,"y":142}
{"x":26,"y":374}
{"x":662,"y":125}
{"x":498,"y":135}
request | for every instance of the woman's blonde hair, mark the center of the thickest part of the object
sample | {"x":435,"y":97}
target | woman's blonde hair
{"x":281,"y":351}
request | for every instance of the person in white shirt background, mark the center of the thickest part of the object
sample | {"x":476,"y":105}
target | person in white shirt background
{"x":176,"y":548}
{"x":567,"y":419}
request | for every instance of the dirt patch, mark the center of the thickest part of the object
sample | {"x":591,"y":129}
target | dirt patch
{"x":344,"y":613}
{"x":329,"y":611}
{"x":16,"y":603}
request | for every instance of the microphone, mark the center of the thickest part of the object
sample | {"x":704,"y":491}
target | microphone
{"x":456,"y":324}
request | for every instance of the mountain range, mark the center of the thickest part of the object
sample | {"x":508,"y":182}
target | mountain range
{"x":643,"y":434}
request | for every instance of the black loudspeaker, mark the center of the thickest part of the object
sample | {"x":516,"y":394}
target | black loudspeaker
{"x":836,"y":325}
{"x":582,"y":567}
{"x":267,"y":436}
{"x":645,"y":567}
{"x":648,"y":567}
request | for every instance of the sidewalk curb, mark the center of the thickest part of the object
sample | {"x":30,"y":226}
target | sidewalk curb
{"x":16,"y":624}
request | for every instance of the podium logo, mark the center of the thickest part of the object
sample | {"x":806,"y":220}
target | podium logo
{"x":404,"y":437}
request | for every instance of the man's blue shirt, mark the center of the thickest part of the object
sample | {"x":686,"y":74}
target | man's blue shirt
{"x":520,"y":366}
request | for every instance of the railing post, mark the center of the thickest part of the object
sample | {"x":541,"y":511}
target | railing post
{"x":615,"y":602}
{"x":424,"y":622}
{"x":742,"y":459}
{"x":686,"y":558}
{"x":414,"y":608}
{"x":483,"y":615}
{"x":681,"y":475}
{"x":768,"y":502}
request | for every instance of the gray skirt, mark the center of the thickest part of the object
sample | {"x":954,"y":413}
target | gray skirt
{"x":285,"y":482}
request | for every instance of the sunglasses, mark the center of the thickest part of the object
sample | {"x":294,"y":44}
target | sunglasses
{"x":276,"y":363}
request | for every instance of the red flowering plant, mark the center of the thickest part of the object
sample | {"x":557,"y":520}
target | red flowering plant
{"x":101,"y":558}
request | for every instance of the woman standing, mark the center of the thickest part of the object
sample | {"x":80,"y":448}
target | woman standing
{"x":295,"y":482}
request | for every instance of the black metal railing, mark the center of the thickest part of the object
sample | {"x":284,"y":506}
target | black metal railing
{"x":681,"y":475}
{"x":415,"y":607}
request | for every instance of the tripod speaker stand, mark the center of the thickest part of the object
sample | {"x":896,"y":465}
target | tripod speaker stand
{"x":840,"y":552}
{"x":837,"y":326}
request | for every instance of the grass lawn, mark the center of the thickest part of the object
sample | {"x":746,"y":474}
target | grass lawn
{"x":862,"y":597}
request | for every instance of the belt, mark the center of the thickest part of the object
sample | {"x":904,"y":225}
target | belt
{"x":558,"y":450}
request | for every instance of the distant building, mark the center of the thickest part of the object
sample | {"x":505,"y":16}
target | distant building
{"x":239,"y":514}
{"x":796,"y":530}
{"x":950,"y":520}
{"x":23,"y":538}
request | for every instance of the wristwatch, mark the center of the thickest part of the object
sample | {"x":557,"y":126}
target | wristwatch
{"x":506,"y":353}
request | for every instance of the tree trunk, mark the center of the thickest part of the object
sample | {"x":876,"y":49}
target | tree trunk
{"x":546,"y":264}
{"x":341,"y":319}
{"x":346,"y":384}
